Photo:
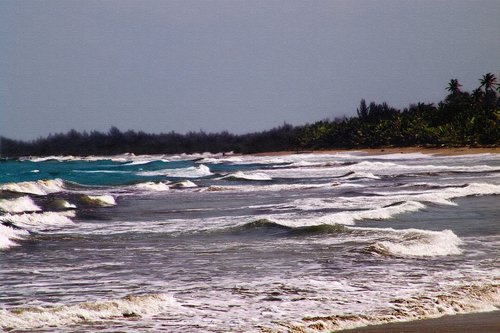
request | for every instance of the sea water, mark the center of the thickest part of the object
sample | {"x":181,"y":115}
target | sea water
{"x":227,"y":243}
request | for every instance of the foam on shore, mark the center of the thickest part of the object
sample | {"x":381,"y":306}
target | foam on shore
{"x":131,"y":306}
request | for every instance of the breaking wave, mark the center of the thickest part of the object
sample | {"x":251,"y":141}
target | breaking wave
{"x":444,"y":194}
{"x":39,"y":187}
{"x":152,"y":186}
{"x":8,"y":234}
{"x":18,"y":205}
{"x":184,"y":184}
{"x":349,"y":217}
{"x":239,"y":175}
{"x":61,"y":204}
{"x":132,"y":306}
{"x":38,"y":221}
{"x":418,"y":243}
{"x":99,"y":200}
{"x":190,"y":172}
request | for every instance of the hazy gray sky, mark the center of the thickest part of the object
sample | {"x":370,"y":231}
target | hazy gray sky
{"x":239,"y":66}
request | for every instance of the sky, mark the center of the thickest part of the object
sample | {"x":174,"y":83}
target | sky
{"x":241,"y":66}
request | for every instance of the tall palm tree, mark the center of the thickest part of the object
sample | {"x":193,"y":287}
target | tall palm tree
{"x":489,"y":82}
{"x":454,"y":86}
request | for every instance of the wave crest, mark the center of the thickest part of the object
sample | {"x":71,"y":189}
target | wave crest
{"x":152,"y":186}
{"x":39,"y":187}
{"x":18,"y":205}
{"x":190,"y":172}
{"x":419,"y":243}
{"x":8,"y":234}
{"x":239,"y":175}
{"x":129,"y":306}
{"x":38,"y":221}
{"x":99,"y":200}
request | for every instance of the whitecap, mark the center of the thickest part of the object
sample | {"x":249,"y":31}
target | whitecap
{"x":344,"y":217}
{"x":99,"y":200}
{"x":247,"y":176}
{"x":444,"y":195}
{"x":29,"y":318}
{"x":18,"y":205}
{"x":39,"y":221}
{"x":419,"y":243}
{"x":184,"y":184}
{"x":39,"y":187}
{"x":190,"y":172}
{"x":8,"y":235}
{"x":152,"y":186}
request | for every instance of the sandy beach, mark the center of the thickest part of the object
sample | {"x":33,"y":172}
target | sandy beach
{"x":485,"y":322}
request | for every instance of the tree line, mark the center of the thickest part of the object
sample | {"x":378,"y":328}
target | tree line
{"x":462,"y":118}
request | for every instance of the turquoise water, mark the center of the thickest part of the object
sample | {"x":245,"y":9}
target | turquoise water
{"x":211,"y":243}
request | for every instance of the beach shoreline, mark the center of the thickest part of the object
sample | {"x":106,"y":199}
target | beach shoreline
{"x":479,"y":322}
{"x":443,"y":151}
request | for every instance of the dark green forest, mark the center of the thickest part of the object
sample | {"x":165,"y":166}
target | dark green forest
{"x":461,"y":119}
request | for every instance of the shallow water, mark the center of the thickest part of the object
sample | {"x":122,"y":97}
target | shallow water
{"x":213,"y":243}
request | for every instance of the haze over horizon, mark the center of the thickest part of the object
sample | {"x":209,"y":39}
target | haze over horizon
{"x":239,"y":66}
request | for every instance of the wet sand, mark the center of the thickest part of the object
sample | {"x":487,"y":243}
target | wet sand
{"x":485,"y":322}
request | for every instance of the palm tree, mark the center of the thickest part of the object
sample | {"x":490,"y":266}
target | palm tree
{"x":454,"y":86}
{"x":489,"y":81}
{"x":477,"y":94}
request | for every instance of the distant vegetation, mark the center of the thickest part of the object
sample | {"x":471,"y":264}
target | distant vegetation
{"x":462,"y":118}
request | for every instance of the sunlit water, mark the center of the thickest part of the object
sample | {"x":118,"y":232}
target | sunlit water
{"x":213,"y":243}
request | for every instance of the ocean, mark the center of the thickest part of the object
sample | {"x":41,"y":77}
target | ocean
{"x":231,"y":243}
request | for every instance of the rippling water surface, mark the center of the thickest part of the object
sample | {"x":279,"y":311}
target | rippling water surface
{"x":216,"y":243}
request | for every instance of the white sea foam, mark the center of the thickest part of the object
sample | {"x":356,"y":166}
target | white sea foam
{"x":461,"y":299}
{"x":18,"y":205}
{"x":443,"y":195}
{"x":419,"y":243}
{"x":105,"y":200}
{"x":147,"y":161}
{"x":184,"y":184}
{"x":376,"y":168}
{"x":39,"y":221}
{"x":190,"y":172}
{"x":377,"y":206}
{"x":152,"y":186}
{"x":344,"y":217}
{"x":130,"y":306}
{"x":247,"y":176}
{"x":39,"y":187}
{"x":59,"y":158}
{"x":271,"y":187}
{"x":8,"y":235}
